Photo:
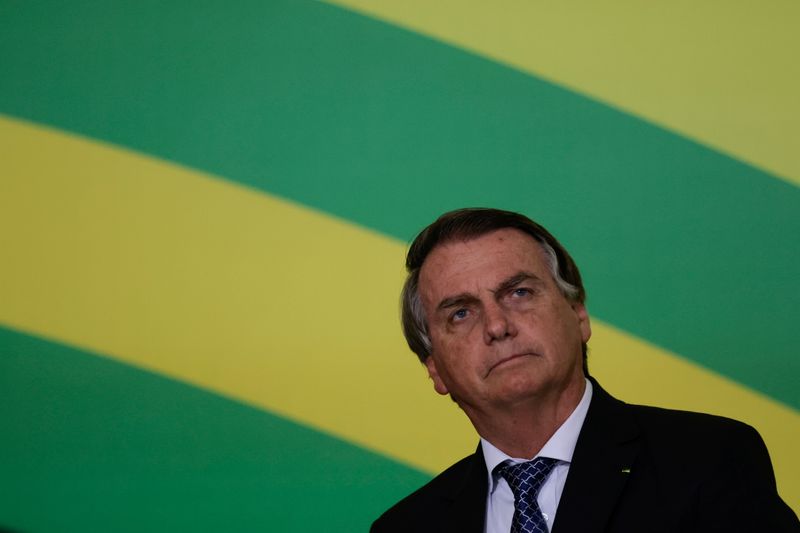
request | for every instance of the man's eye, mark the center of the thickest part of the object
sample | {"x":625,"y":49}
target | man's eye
{"x":460,"y":314}
{"x":521,"y":291}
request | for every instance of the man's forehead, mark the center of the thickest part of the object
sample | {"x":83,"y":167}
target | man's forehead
{"x":499,"y":254}
{"x":500,"y":240}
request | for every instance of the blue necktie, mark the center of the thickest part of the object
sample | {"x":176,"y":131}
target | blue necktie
{"x":525,"y":480}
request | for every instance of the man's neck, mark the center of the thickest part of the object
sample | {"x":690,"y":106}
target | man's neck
{"x":522,"y":429}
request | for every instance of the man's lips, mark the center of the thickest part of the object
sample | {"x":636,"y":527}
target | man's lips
{"x":507,"y":359}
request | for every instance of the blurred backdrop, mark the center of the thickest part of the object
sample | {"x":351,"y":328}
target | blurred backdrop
{"x":204,"y":208}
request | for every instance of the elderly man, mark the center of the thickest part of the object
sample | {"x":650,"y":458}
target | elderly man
{"x":494,"y":307}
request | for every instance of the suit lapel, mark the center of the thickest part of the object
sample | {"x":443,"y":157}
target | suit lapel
{"x":469,"y":499}
{"x":604,"y":453}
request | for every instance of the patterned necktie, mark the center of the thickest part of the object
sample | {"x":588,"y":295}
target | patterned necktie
{"x":525,"y":480}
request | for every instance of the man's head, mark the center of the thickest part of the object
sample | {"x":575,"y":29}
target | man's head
{"x":466,"y":224}
{"x":493,"y":306}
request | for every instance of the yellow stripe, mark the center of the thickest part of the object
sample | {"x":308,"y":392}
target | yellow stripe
{"x":264,"y":301}
{"x":722,"y":73}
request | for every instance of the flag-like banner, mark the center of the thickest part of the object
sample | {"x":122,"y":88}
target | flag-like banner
{"x":204,"y":210}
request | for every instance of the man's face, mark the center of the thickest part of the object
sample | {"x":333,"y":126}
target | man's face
{"x":501,"y":331}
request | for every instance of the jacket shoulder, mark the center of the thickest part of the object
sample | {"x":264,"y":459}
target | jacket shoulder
{"x":698,"y":434}
{"x":424,"y":508}
{"x":720,"y":465}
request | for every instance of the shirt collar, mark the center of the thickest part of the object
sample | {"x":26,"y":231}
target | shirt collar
{"x":560,"y":446}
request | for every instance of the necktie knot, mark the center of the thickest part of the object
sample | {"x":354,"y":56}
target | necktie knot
{"x":525,"y":480}
{"x":527,"y":477}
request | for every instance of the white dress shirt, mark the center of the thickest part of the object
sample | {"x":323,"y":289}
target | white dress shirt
{"x":500,"y":500}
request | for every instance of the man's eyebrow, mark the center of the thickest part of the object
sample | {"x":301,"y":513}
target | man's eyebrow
{"x":467,"y":298}
{"x":458,"y":299}
{"x":515,"y":280}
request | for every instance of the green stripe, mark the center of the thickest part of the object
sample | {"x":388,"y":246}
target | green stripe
{"x":681,"y":245}
{"x":101,"y":446}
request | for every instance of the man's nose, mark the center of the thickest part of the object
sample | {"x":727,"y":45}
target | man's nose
{"x":498,"y":324}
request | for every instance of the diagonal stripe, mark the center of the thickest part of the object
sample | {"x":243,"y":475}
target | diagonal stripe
{"x":264,"y":301}
{"x":92,"y":445}
{"x":229,"y":289}
{"x":340,"y":121}
{"x":724,"y":74}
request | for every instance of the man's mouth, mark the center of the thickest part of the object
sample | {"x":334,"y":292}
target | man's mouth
{"x":508,"y":359}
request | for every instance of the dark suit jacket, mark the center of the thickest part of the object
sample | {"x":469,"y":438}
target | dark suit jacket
{"x":635,"y":469}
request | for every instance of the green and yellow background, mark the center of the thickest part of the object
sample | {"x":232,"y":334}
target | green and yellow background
{"x":204,"y":208}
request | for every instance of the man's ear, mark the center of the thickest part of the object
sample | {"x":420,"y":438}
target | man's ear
{"x":583,"y":321}
{"x":438,"y":384}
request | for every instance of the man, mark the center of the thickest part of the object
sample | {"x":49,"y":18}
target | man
{"x":494,"y":307}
